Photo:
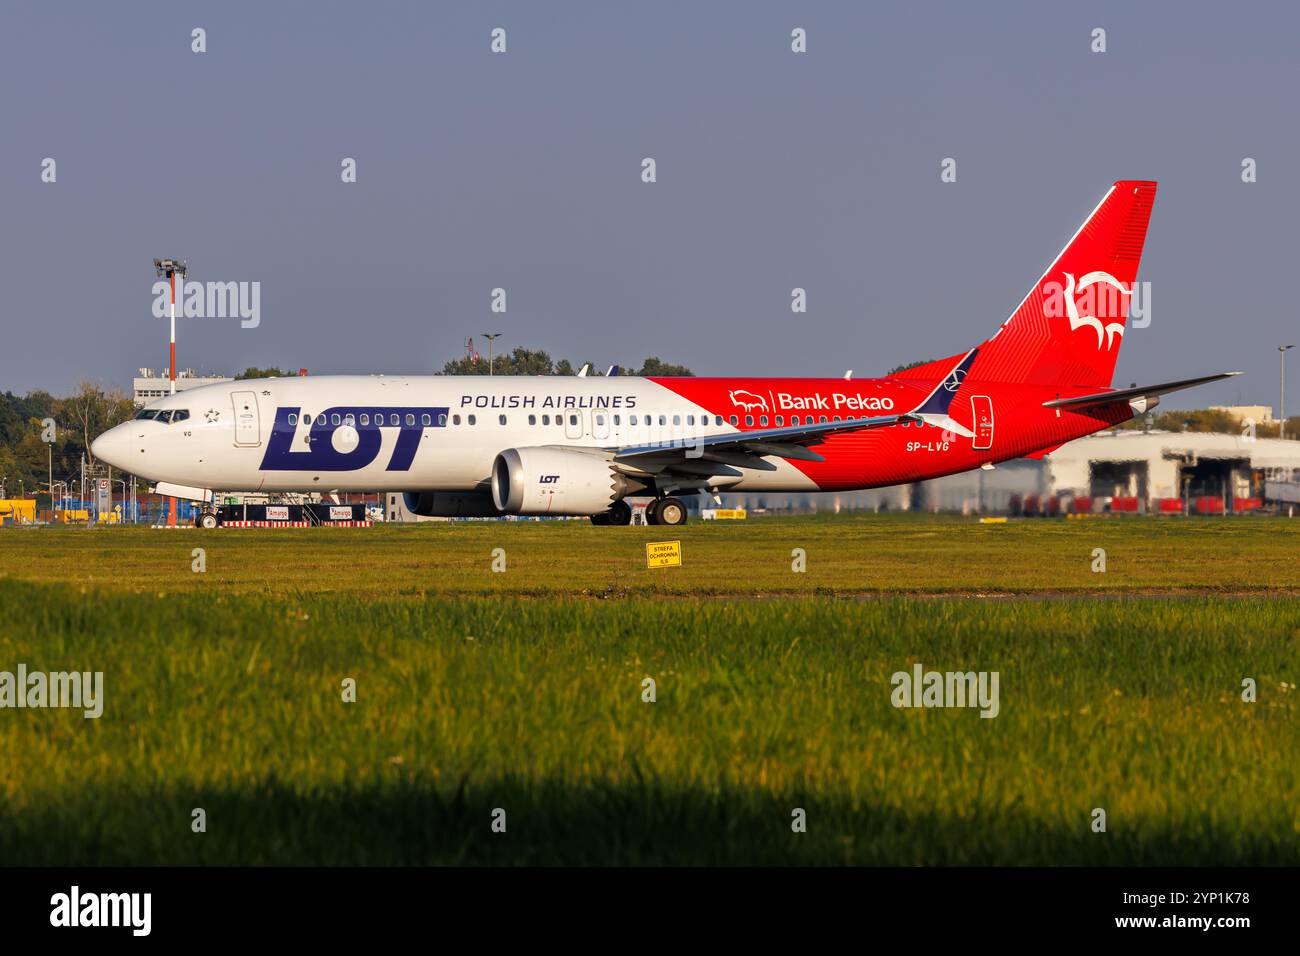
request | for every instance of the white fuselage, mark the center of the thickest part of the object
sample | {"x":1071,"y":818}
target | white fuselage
{"x":395,"y":433}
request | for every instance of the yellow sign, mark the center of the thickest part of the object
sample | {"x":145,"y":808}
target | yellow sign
{"x":993,"y":520}
{"x":734,"y":514}
{"x":663,"y":554}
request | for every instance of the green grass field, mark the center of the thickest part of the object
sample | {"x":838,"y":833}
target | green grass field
{"x":523,"y":691}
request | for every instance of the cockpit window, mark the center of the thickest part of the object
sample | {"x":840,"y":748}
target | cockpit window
{"x":146,"y":414}
{"x":165,"y":417}
{"x":180,"y":415}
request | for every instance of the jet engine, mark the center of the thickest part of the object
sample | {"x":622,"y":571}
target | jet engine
{"x":450,"y":504}
{"x":555,"y":481}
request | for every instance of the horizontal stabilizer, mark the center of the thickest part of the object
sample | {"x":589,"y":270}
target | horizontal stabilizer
{"x":1135,"y":393}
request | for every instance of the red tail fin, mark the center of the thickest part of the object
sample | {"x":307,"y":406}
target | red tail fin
{"x":1068,"y":329}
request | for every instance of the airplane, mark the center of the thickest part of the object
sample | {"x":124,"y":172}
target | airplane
{"x":479,"y":446}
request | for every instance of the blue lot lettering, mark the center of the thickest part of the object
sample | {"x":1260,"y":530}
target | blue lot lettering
{"x":320,"y":454}
{"x":548,"y":479}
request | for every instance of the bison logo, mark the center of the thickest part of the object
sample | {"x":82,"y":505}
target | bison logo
{"x":1109,"y":329}
{"x":747,"y":400}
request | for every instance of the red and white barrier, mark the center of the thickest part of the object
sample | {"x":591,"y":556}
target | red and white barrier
{"x":296,"y":524}
{"x":266,"y":524}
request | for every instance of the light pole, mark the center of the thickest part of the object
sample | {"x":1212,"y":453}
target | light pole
{"x":1281,"y":397}
{"x":170,"y":268}
{"x":52,"y":503}
{"x":491,"y":336}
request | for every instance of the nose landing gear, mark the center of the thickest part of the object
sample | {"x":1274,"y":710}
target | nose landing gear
{"x":207,"y":519}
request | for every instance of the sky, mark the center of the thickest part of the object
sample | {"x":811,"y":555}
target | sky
{"x":522,"y":170}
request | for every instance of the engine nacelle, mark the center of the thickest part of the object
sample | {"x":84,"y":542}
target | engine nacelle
{"x":450,"y":504}
{"x":554,"y":481}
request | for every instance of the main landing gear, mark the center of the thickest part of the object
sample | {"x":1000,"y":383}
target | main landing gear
{"x":208,"y":520}
{"x":665,"y":511}
{"x":668,"y":511}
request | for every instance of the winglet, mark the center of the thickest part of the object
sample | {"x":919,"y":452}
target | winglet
{"x":940,"y":400}
{"x":934,"y":410}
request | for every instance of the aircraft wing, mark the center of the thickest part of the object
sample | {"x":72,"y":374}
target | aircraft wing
{"x":743,"y":449}
{"x":1135,"y":393}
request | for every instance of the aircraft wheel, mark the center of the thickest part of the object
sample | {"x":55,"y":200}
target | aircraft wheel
{"x":652,"y":512}
{"x":600,"y":519}
{"x":671,"y":511}
{"x":208,"y":520}
{"x":619,"y":513}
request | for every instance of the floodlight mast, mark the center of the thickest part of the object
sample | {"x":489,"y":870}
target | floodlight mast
{"x":491,"y":337}
{"x":170,"y":268}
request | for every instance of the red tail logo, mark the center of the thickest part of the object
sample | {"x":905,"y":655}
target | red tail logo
{"x":1110,"y":306}
{"x":1068,"y":329}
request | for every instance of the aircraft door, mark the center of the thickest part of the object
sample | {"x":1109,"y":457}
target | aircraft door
{"x":600,"y":425}
{"x":982,"y":415}
{"x":573,"y":423}
{"x":248,"y":430}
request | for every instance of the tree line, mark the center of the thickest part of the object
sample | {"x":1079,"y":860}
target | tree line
{"x":25,"y":422}
{"x":524,"y":361}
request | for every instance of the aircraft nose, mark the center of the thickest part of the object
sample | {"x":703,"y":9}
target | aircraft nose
{"x":112,"y":446}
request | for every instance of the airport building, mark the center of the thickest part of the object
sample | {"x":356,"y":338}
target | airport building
{"x":149,"y":386}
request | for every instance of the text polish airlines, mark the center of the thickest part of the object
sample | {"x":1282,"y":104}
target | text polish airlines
{"x":479,"y":445}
